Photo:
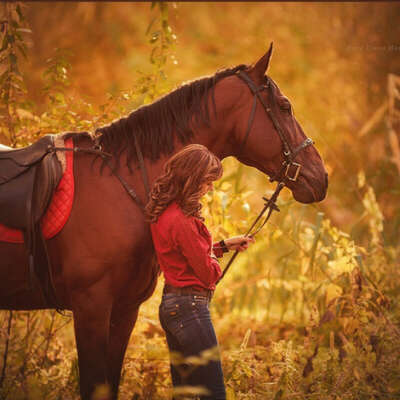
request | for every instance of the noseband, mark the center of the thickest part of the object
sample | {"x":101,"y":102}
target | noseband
{"x":289,"y":155}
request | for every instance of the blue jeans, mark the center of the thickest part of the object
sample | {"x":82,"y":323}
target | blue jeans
{"x":187,"y":324}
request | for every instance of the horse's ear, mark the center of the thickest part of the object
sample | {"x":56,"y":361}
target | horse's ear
{"x":261,"y":65}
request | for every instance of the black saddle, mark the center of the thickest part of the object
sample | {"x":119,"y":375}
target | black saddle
{"x":28,"y":179}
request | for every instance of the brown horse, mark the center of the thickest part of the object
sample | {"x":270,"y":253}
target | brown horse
{"x":103,"y":259}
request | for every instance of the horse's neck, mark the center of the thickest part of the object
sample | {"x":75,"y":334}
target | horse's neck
{"x":215,"y":139}
{"x":208,"y":138}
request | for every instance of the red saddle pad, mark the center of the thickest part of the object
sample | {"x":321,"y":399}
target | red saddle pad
{"x":59,"y":209}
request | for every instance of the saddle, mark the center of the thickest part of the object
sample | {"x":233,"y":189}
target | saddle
{"x":28,"y":179}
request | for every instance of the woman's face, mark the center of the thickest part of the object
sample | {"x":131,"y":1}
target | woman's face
{"x":206,"y":187}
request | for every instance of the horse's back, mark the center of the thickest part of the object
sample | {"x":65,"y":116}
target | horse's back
{"x":106,"y":238}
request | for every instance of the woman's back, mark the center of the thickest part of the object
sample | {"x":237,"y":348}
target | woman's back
{"x":184,"y":249}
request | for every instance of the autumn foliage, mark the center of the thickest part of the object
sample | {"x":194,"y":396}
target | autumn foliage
{"x":311,"y":311}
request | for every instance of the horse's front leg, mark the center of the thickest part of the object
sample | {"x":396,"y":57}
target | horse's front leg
{"x":122,"y":323}
{"x":92,"y":310}
{"x":124,"y":314}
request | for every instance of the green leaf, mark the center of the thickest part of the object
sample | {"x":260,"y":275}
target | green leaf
{"x":154,"y":37}
{"x":150,"y":25}
{"x":22,"y":49}
{"x":5,"y":43}
{"x":164,"y":9}
{"x":13,"y":59}
{"x":278,"y":394}
{"x":19,"y":12}
{"x":253,"y":299}
{"x":242,"y":297}
{"x":152,"y":55}
{"x":233,"y":302}
{"x":3,"y":77}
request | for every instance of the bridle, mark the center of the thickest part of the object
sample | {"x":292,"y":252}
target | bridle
{"x":281,"y":176}
{"x":289,"y":155}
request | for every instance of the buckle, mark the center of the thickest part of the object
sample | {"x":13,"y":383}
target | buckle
{"x":293,"y":178}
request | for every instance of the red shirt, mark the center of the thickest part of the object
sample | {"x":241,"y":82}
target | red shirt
{"x":184,"y":245}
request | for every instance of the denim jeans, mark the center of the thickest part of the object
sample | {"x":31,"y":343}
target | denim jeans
{"x":187,"y":324}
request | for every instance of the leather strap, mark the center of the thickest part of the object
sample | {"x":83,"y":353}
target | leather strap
{"x":94,"y":151}
{"x":256,"y":91}
{"x":188,"y":290}
{"x":97,"y":151}
{"x":288,"y":154}
{"x":129,"y":189}
{"x":250,"y":122}
{"x":143,"y":169}
{"x":271,"y":205}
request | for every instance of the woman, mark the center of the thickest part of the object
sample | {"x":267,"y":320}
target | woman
{"x":188,"y":260}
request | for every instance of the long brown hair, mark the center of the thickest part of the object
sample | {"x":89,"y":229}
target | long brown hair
{"x":184,"y":174}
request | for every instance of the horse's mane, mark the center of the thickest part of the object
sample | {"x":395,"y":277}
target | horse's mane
{"x":154,"y":124}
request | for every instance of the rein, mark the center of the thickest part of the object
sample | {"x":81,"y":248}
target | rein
{"x":289,"y":156}
{"x":271,"y":205}
{"x":283,"y":174}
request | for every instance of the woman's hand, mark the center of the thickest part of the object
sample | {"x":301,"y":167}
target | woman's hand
{"x":239,"y":243}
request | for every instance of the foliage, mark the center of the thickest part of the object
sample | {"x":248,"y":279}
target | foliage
{"x":41,"y":363}
{"x":13,"y":105}
{"x":311,"y":310}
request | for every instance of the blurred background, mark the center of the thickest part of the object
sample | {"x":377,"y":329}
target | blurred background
{"x":312,"y":309}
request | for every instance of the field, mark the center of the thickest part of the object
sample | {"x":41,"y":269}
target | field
{"x":311,"y":310}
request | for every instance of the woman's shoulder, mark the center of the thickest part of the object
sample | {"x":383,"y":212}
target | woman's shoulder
{"x":173,"y":221}
{"x":172,"y":213}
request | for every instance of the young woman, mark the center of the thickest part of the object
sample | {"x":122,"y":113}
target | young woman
{"x":188,"y":259}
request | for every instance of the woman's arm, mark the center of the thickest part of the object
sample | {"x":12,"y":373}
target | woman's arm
{"x":239,"y":243}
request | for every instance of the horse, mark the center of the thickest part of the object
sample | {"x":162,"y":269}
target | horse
{"x":103,"y":260}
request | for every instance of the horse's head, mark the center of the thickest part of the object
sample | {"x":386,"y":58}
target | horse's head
{"x":266,"y":135}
